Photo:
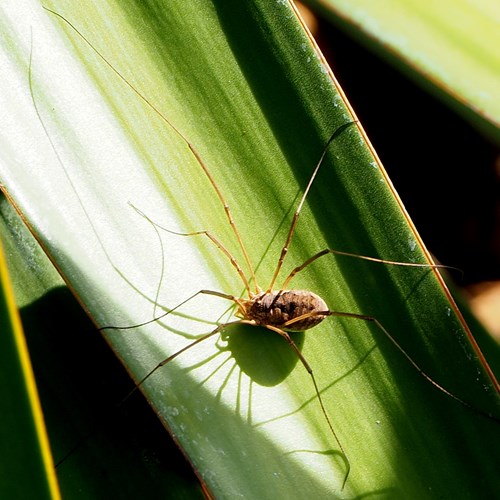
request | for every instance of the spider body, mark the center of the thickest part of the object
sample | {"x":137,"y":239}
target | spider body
{"x":291,"y":310}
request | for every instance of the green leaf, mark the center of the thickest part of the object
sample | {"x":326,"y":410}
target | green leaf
{"x":26,"y":470}
{"x":246,"y":85}
{"x":101,"y":448}
{"x":448,"y":47}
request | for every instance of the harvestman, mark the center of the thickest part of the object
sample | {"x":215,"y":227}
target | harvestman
{"x":280,"y":310}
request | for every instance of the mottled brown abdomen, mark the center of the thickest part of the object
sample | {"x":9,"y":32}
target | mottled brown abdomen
{"x":278,"y":307}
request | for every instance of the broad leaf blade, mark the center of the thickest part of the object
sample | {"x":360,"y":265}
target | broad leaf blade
{"x":244,"y":83}
{"x":27,"y":468}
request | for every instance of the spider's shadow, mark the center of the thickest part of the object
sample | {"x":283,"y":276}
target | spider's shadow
{"x":262,"y":354}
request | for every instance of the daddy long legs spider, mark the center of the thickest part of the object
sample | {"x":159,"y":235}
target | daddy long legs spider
{"x":246,"y":309}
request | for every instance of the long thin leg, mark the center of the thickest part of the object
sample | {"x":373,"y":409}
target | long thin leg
{"x":184,"y":349}
{"x":381,"y":327}
{"x":413,"y":363}
{"x":292,"y":344}
{"x":193,"y":150}
{"x":210,"y":236}
{"x":205,"y":292}
{"x":296,"y":216}
{"x":192,"y":344}
{"x":327,"y":251}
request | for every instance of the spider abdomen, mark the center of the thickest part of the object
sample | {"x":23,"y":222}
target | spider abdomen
{"x":278,"y":308}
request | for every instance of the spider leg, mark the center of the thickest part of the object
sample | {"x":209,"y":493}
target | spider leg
{"x":303,"y":360}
